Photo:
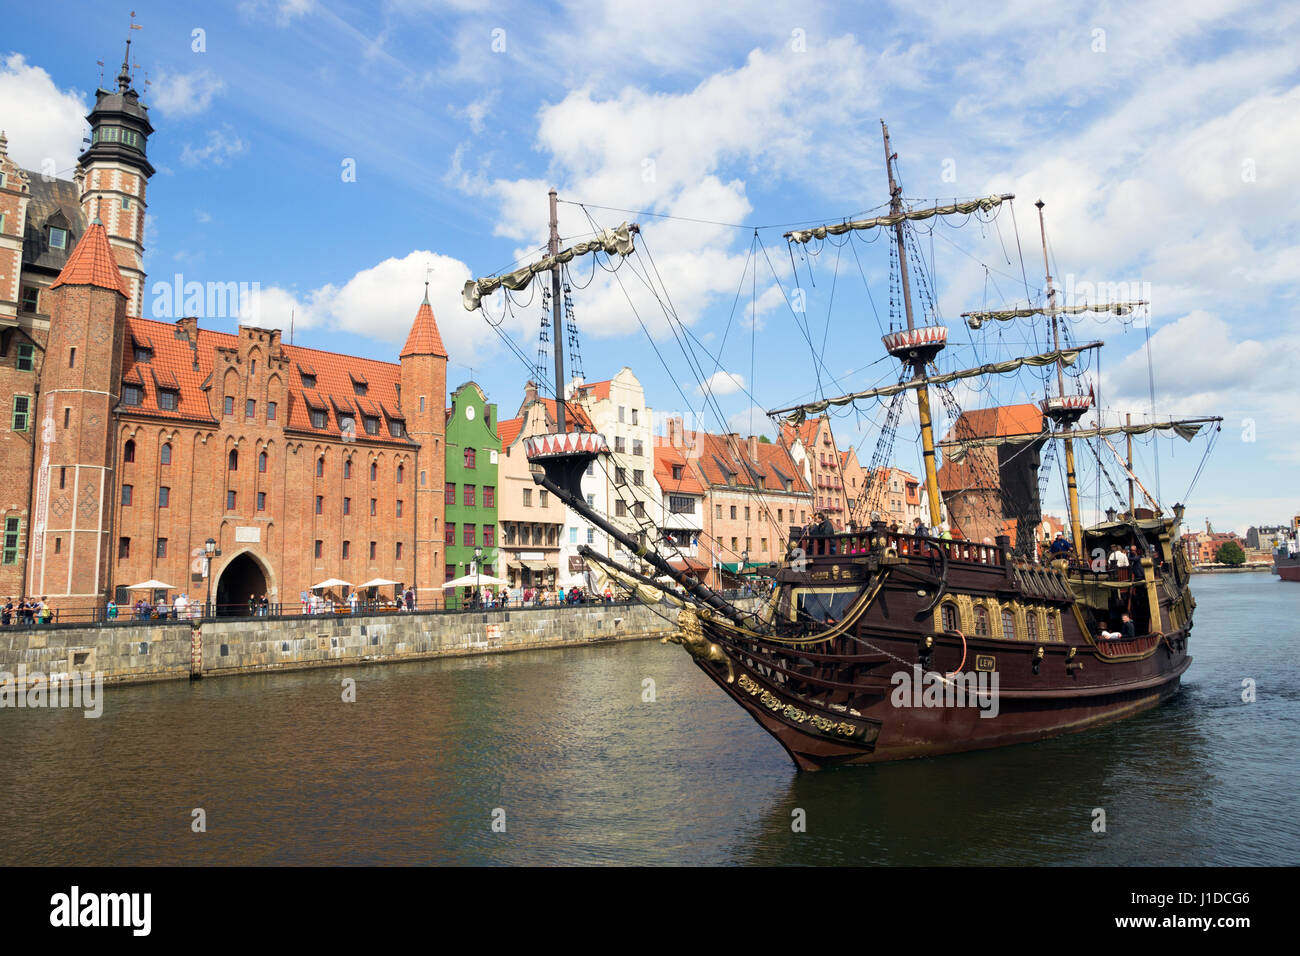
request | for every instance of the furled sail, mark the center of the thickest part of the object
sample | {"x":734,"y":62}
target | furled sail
{"x":977,"y":319}
{"x":955,"y":208}
{"x":795,"y":414}
{"x":610,"y":241}
{"x":1186,"y":429}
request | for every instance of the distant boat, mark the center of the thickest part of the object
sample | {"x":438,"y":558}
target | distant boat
{"x":1286,"y":558}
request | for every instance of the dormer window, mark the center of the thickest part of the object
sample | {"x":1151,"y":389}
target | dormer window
{"x":168,"y":399}
{"x":58,"y":238}
{"x":308,"y":381}
{"x":372,"y":425}
{"x":677,"y":472}
{"x":317,"y":418}
{"x":132,"y":394}
{"x":396,"y":428}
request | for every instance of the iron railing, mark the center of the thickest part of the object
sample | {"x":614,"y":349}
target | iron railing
{"x":99,"y":615}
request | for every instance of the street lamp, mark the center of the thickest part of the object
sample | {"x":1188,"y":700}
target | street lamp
{"x":210,"y":551}
{"x":478,"y":570}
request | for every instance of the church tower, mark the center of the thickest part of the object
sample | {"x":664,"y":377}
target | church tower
{"x":73,"y":504}
{"x":424,"y":395}
{"x":113,"y":173}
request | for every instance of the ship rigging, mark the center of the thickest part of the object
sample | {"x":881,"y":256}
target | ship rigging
{"x":815,"y":662}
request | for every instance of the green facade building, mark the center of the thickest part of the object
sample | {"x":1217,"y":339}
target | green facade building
{"x":473,"y":449}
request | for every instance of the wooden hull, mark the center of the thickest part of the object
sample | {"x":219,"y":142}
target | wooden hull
{"x":847,"y":702}
{"x":902,"y":732}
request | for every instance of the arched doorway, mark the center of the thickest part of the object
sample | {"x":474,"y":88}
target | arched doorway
{"x":240,"y":578}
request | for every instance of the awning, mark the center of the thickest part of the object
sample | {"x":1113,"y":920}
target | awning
{"x":515,"y":565}
{"x":750,"y":568}
{"x":689,"y":564}
{"x":538,"y":566}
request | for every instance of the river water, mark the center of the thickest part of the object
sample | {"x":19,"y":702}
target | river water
{"x":560,"y":749}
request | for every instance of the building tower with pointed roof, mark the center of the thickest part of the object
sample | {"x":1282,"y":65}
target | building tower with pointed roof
{"x":424,"y":396}
{"x":72,"y":505}
{"x":113,"y":173}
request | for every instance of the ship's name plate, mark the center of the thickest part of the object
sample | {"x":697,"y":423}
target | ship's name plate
{"x":248,"y":535}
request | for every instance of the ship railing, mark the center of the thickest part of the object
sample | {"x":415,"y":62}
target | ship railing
{"x":852,"y":544}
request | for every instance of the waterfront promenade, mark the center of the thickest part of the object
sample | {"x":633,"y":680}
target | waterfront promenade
{"x":129,"y":651}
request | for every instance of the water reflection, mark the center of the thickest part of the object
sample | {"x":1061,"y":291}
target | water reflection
{"x":587,"y":772}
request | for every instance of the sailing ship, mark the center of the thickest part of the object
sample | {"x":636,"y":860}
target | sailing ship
{"x":877,"y":644}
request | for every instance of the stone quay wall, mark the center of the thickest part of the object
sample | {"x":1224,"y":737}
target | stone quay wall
{"x":138,"y":651}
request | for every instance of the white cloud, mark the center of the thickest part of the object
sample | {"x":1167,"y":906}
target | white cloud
{"x":722,"y":383}
{"x":752,"y":421}
{"x":477,"y":111}
{"x":283,"y":11}
{"x":380,"y":303}
{"x":185,"y":94}
{"x":1203,"y":366}
{"x":43,"y":124}
{"x":222,"y":146}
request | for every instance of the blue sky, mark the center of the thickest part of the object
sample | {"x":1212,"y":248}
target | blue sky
{"x":1162,"y":136}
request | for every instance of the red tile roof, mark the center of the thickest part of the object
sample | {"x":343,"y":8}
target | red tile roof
{"x":509,"y":430}
{"x":92,"y":263}
{"x":597,"y":390}
{"x":424,"y":338}
{"x":805,"y":432}
{"x":1000,"y":421}
{"x":666,"y":456}
{"x":712,"y":455}
{"x":574,"y":415}
{"x":173,"y":360}
{"x":979,"y":469}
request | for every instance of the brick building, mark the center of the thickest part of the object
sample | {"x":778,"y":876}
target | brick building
{"x":126,"y":443}
{"x":993,"y":483}
{"x":812,"y":447}
{"x":895,"y":496}
{"x":754,"y":493}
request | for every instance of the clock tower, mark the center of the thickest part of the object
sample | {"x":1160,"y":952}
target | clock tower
{"x":113,"y":173}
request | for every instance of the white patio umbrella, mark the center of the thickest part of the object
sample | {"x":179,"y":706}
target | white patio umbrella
{"x":472,"y":580}
{"x":331,"y":583}
{"x":151,"y":585}
{"x":378,"y":583}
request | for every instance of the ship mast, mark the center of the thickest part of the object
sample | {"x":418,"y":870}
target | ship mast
{"x":918,"y":364}
{"x":557,"y":337}
{"x":1076,"y":529}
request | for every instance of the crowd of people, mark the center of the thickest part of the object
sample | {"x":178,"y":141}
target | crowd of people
{"x":496,"y":598}
{"x":26,"y":611}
